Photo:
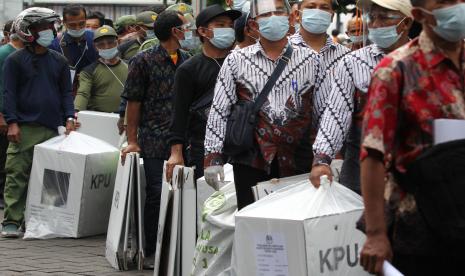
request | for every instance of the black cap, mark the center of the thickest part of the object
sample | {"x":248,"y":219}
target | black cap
{"x":206,"y":15}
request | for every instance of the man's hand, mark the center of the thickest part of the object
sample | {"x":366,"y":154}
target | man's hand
{"x":317,"y":172}
{"x":376,"y":250}
{"x":14,"y":133}
{"x":121,"y":126}
{"x":130,"y":148}
{"x":3,"y":125}
{"x":211,"y":176}
{"x":69,"y":127}
{"x":175,"y":159}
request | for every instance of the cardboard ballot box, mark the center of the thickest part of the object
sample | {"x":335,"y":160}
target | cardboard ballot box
{"x":71,"y":187}
{"x":100,"y":125}
{"x":300,"y":230}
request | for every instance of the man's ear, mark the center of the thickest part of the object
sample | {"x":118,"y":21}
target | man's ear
{"x":423,"y":17}
{"x":253,"y":25}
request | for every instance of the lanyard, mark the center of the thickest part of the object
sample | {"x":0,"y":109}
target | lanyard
{"x":82,"y":54}
{"x":111,"y":71}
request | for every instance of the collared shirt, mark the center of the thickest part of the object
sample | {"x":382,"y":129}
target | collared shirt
{"x":283,"y":118}
{"x":411,"y":88}
{"x":348,"y":96}
{"x":327,"y":58}
{"x":80,"y":53}
{"x":150,"y":81}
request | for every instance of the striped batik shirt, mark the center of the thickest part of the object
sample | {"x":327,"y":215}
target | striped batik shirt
{"x":282,"y":117}
{"x":327,"y":58}
{"x":353,"y":73}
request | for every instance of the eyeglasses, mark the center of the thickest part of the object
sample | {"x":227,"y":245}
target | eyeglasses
{"x":106,"y":43}
{"x":185,"y":27}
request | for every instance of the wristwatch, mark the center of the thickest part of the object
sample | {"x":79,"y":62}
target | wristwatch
{"x":70,"y":119}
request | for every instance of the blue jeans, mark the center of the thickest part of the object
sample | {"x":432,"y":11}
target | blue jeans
{"x":154,"y":175}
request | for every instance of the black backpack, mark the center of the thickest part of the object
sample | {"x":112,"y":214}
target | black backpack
{"x":437,"y":181}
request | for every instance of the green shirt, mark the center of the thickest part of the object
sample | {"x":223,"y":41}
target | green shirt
{"x":5,"y":51}
{"x":149,"y":44}
{"x":100,"y":87}
{"x":130,"y":50}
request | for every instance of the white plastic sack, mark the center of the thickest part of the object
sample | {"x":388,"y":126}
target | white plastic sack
{"x":300,"y":230}
{"x":72,"y":177}
{"x":204,"y":191}
{"x":215,"y":241}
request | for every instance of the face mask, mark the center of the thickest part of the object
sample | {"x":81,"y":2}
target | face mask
{"x":274,"y":28}
{"x":238,"y":4}
{"x":45,"y":38}
{"x":108,"y":53}
{"x":356,"y":38}
{"x":316,"y":21}
{"x":450,"y":22}
{"x":76,"y":33}
{"x":190,"y":42}
{"x":384,"y":37}
{"x":223,"y":38}
{"x":150,"y":34}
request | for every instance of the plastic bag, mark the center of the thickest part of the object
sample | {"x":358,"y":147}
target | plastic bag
{"x":215,"y":241}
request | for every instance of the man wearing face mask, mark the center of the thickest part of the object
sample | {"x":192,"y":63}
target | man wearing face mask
{"x":76,"y":44}
{"x":101,"y":83}
{"x":389,"y":22}
{"x":149,"y":91}
{"x":314,"y":17}
{"x":37,"y":100}
{"x":355,"y":33}
{"x":284,"y":111}
{"x":144,"y":30}
{"x":410,"y":89}
{"x":194,"y":85}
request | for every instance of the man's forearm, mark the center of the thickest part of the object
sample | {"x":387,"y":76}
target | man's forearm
{"x":176,"y":149}
{"x":372,"y":181}
{"x":133,"y":117}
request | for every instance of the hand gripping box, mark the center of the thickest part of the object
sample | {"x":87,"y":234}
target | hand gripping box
{"x":300,"y":230}
{"x":70,"y":187}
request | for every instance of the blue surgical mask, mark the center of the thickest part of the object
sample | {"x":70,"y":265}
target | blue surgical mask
{"x":223,"y":38}
{"x":76,"y":33}
{"x":190,"y":42}
{"x":450,"y":22}
{"x":150,"y":34}
{"x":384,"y":37}
{"x":274,"y":28}
{"x":238,"y":4}
{"x":316,"y":21}
{"x":108,"y":53}
{"x":356,"y":38}
{"x":46,"y":38}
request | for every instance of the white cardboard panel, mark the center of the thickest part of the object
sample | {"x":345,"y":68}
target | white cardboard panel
{"x":100,"y":125}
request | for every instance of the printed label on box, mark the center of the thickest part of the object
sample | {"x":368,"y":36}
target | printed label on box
{"x":271,"y":255}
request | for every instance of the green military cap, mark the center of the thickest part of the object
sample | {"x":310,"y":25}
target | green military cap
{"x":104,"y":31}
{"x":124,"y":21}
{"x":146,"y":18}
{"x":190,"y":18}
{"x":181,"y":7}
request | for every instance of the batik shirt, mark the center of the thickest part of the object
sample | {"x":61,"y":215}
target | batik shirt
{"x":411,"y":88}
{"x":150,"y":81}
{"x":283,"y":118}
{"x":346,"y":100}
{"x":327,"y":60}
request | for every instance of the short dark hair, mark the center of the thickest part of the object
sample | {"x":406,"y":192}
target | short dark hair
{"x":109,"y":22}
{"x":165,"y":22}
{"x":74,"y":10}
{"x":8,"y":27}
{"x":240,"y":36}
{"x":97,"y":15}
{"x":155,"y":8}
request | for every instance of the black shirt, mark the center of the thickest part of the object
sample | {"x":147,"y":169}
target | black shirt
{"x":195,"y":79}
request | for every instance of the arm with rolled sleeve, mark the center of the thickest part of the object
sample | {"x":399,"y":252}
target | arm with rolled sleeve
{"x":11,"y":79}
{"x":337,"y":117}
{"x":225,"y":96}
{"x":66,"y":91}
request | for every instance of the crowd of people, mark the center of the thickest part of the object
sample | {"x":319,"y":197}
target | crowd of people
{"x":260,"y":85}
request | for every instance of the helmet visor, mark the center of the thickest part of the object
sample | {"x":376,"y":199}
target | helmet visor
{"x":269,"y":7}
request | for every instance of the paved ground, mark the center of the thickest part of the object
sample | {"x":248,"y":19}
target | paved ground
{"x":60,"y":257}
